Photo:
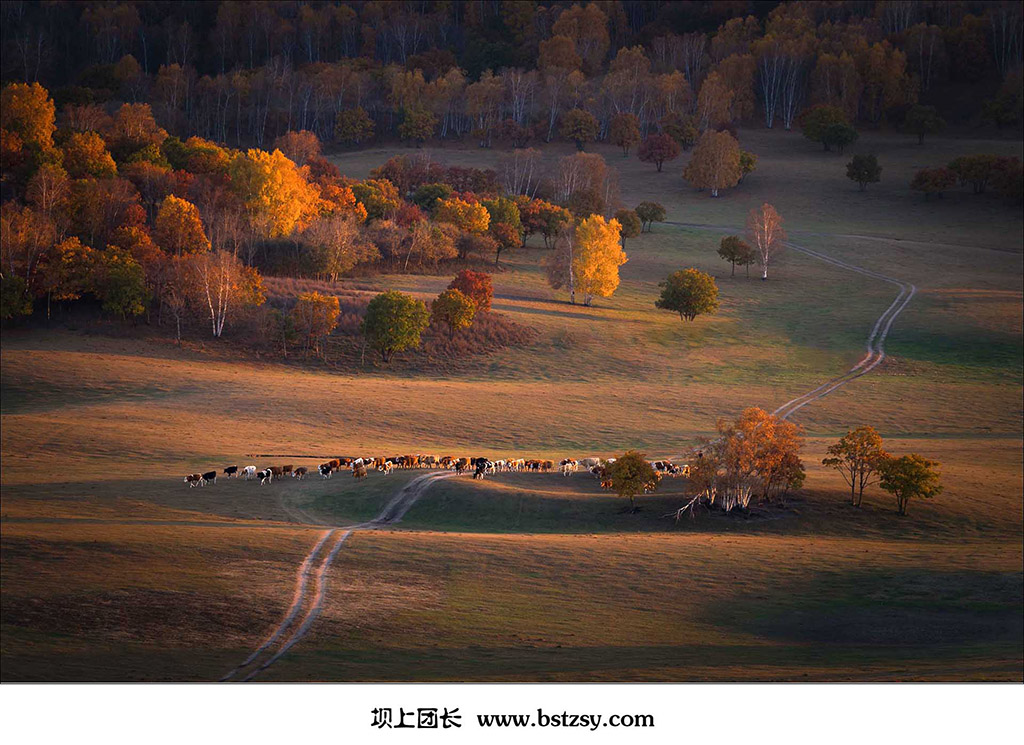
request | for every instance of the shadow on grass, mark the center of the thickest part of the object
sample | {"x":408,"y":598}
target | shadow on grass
{"x":886,"y":608}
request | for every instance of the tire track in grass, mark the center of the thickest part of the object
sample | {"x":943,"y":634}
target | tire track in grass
{"x":306,"y":606}
{"x":875,"y":349}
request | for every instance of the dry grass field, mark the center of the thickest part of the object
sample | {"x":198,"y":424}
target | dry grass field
{"x":113,"y":569}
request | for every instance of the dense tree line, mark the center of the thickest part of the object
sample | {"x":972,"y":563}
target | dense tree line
{"x":109,"y":205}
{"x":244,"y":73}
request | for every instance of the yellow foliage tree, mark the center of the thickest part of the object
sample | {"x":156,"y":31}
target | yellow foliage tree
{"x":276,"y":193}
{"x":86,"y":154}
{"x":178,"y":228}
{"x":28,"y":111}
{"x":587,"y":259}
{"x":470,"y":217}
{"x":715,"y":163}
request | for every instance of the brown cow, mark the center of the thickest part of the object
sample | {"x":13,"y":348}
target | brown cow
{"x":359,"y":472}
{"x":287,"y":470}
{"x":276,"y":471}
{"x":300,"y":473}
{"x":193,"y":479}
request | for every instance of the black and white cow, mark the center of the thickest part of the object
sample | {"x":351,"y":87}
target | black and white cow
{"x":209,"y":476}
{"x":266,"y":476}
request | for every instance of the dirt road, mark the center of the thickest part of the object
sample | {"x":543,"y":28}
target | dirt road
{"x":307,"y":600}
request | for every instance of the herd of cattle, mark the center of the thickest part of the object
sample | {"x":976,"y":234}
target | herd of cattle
{"x":359,"y":468}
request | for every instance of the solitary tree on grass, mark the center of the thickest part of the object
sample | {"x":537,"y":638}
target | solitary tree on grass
{"x":657,"y":149}
{"x":857,"y":456}
{"x":909,"y":477}
{"x":923,"y":120}
{"x":393,"y":323}
{"x":715,"y":163}
{"x":764,"y":225}
{"x":631,"y":475}
{"x":735,"y":250}
{"x":689,"y":293}
{"x":816,"y":121}
{"x":864,"y":169}
{"x":649,"y":213}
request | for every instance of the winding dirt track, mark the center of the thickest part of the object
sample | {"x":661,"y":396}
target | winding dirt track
{"x":306,"y":602}
{"x":875,"y":352}
{"x":306,"y":605}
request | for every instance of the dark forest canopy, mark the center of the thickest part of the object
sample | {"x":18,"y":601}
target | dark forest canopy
{"x":246,"y":72}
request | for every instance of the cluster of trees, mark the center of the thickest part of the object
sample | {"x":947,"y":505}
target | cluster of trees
{"x":395,"y":321}
{"x":245,"y":72}
{"x":754,"y":459}
{"x":980,"y":171}
{"x":113,"y":206}
{"x":860,"y":458}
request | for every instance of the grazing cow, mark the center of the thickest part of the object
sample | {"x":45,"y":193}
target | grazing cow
{"x":568,"y":466}
{"x":276,"y":470}
{"x":300,"y":473}
{"x":265,"y":476}
{"x":482,"y":465}
{"x":357,"y":463}
{"x":325,"y":470}
{"x":653,"y":483}
{"x":359,"y":472}
{"x":430,"y":461}
{"x":193,"y":478}
{"x":385,"y":467}
{"x":209,"y":476}
{"x":589,"y":463}
{"x":460,"y":465}
{"x":231,"y":472}
{"x":249,"y":472}
{"x":343,"y":462}
{"x":286,"y":470}
{"x":547,"y":466}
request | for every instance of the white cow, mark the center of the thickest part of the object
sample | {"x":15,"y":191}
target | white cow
{"x":249,"y":473}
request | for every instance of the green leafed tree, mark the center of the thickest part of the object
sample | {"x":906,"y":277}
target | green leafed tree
{"x":454,"y":310}
{"x":580,"y":126}
{"x":923,"y":120}
{"x":353,"y":126}
{"x":690,"y":293}
{"x":630,"y":223}
{"x":838,"y":136}
{"x":119,"y":282}
{"x":393,"y":323}
{"x":816,"y":121}
{"x":737,"y":252}
{"x":417,"y":125}
{"x":631,"y":475}
{"x":864,"y":169}
{"x":909,"y":477}
{"x":650,"y":213}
